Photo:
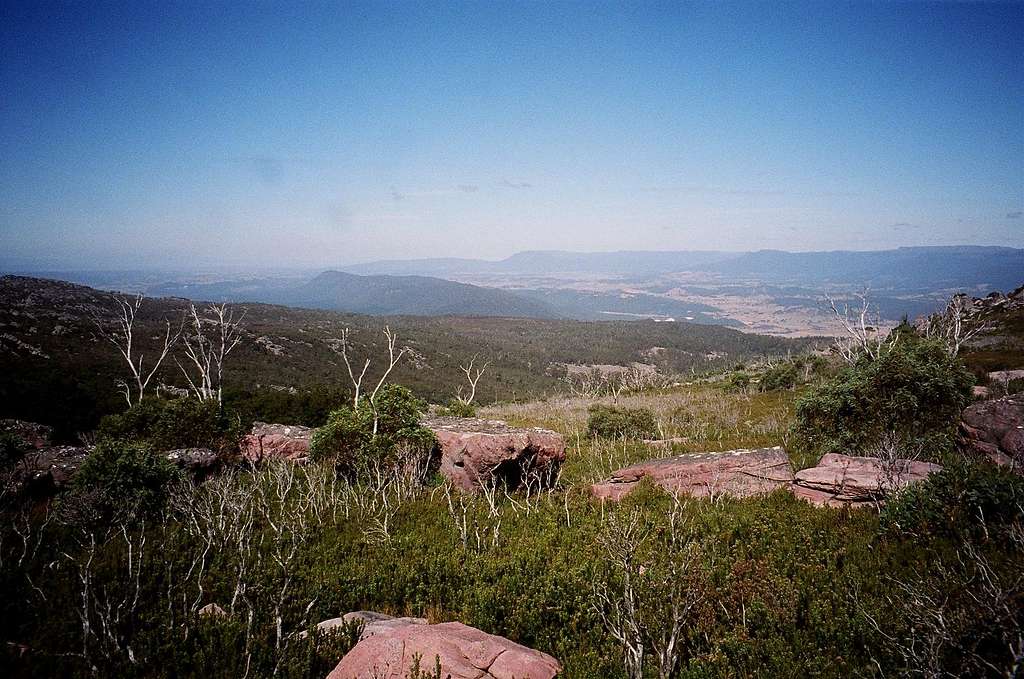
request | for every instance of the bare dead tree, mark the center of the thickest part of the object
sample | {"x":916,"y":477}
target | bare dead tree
{"x":619,"y":607}
{"x":393,"y":359}
{"x":956,"y":325}
{"x":213,"y":336}
{"x":122,"y":334}
{"x":473,"y":374}
{"x":342,"y":348}
{"x":864,"y":337}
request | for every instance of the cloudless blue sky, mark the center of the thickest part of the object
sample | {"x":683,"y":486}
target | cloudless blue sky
{"x":193,"y":134}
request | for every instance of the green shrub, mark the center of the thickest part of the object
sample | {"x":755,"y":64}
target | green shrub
{"x":781,"y":376}
{"x":457,"y":408}
{"x":915,"y":392}
{"x":123,"y":477}
{"x":165,"y":424}
{"x":609,"y":421}
{"x":964,"y":496}
{"x":349,"y":438}
{"x":738,"y":381}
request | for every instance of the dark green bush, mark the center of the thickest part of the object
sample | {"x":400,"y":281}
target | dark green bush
{"x":781,"y":376}
{"x":12,"y":448}
{"x":738,"y":381}
{"x":165,"y":424}
{"x":123,"y":477}
{"x":308,"y":406}
{"x":350,"y":439}
{"x":609,"y":421}
{"x":963,"y":497}
{"x":915,"y":392}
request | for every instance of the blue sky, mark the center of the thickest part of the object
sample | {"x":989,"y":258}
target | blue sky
{"x":195,"y":134}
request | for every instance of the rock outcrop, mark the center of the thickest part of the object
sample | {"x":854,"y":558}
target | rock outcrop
{"x":739,"y":473}
{"x":33,"y":435}
{"x":846,"y":481}
{"x":52,"y":468}
{"x":196,"y":461}
{"x":464,"y":652}
{"x":995,"y":430}
{"x":44,"y":468}
{"x":474,"y":452}
{"x":276,"y":442}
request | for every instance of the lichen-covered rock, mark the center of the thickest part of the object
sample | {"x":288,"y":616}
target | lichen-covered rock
{"x":844,"y":480}
{"x":739,"y":473}
{"x":276,"y":442}
{"x":463,"y":652}
{"x":995,"y":429}
{"x":194,"y":460}
{"x":475,"y":452}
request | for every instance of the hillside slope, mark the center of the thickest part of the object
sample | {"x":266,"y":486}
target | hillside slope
{"x":375,"y":295}
{"x":59,"y":371}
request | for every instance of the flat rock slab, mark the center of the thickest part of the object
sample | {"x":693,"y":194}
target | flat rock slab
{"x":276,"y":442}
{"x":739,"y":473}
{"x":463,"y":651}
{"x":995,"y":429}
{"x":844,"y":480}
{"x":476,"y":452}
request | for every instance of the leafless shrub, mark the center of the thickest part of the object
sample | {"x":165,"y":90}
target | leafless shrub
{"x":862,"y":325}
{"x":656,"y":585}
{"x":107,"y":605}
{"x":473,"y":374}
{"x":950,"y":613}
{"x":394,"y":357}
{"x":956,"y":325}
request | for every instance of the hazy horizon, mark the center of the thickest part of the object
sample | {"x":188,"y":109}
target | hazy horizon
{"x":326,"y":135}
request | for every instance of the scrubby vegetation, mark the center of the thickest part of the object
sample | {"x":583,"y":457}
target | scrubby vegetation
{"x":908,"y":396}
{"x":382,"y":430}
{"x":632,"y":423}
{"x":115,"y":577}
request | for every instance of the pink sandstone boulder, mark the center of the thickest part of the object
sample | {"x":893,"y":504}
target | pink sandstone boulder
{"x":276,"y":441}
{"x":995,"y":430}
{"x":372,"y":622}
{"x":464,"y":652}
{"x":739,"y":473}
{"x":477,"y":452}
{"x":846,"y":481}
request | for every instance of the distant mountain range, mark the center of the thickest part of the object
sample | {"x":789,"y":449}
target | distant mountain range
{"x":372,"y":295}
{"x":767,"y":291}
{"x":911,"y":268}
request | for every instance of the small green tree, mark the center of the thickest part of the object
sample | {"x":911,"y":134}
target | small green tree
{"x":349,"y":438}
{"x":913,"y":392}
{"x":124,"y":477}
